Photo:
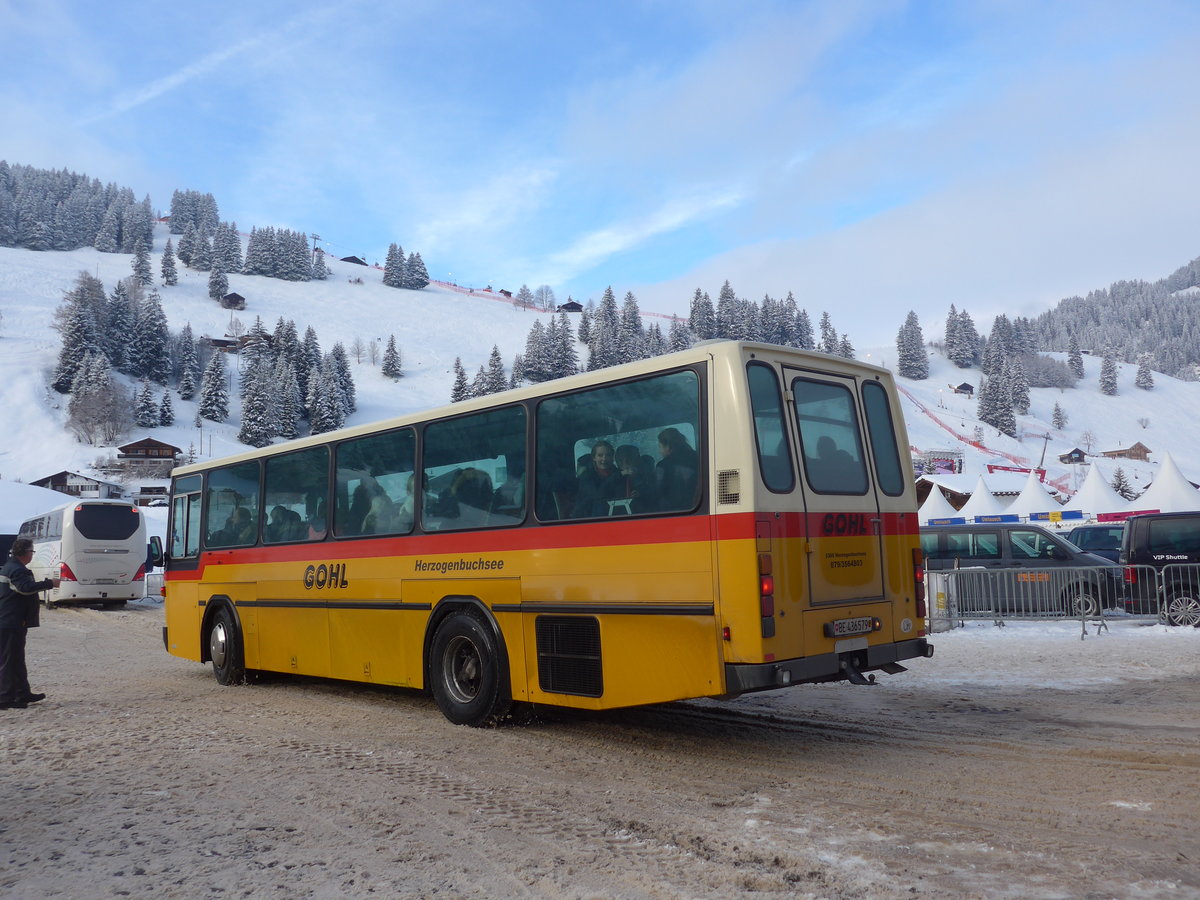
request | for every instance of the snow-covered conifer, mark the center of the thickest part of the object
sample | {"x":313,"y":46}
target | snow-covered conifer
{"x":460,"y":390}
{"x":391,"y":360}
{"x":170,"y":275}
{"x":214,"y":390}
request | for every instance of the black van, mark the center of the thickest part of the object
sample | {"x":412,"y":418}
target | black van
{"x":1060,"y":578}
{"x":1161,"y":553}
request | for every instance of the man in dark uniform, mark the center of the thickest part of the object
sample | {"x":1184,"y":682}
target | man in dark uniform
{"x":18,"y":612}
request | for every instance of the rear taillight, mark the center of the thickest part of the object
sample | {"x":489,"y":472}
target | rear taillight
{"x":766,"y":595}
{"x":65,"y":573}
{"x":919,"y":576}
{"x":141,"y":574}
{"x":1131,"y":575}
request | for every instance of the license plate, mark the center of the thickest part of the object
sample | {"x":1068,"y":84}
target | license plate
{"x":847,"y":627}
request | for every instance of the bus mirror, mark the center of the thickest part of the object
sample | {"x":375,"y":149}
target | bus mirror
{"x":154,"y":554}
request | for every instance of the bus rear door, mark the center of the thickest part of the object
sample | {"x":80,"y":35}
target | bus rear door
{"x":842,"y":511}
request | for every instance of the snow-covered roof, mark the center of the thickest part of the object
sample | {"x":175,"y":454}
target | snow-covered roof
{"x":19,"y":502}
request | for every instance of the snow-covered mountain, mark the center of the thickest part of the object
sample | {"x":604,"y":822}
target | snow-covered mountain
{"x":435,"y":325}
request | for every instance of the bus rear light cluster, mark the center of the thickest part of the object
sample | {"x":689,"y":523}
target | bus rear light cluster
{"x":766,"y":595}
{"x":65,"y":573}
{"x":141,"y":573}
{"x":919,"y":579}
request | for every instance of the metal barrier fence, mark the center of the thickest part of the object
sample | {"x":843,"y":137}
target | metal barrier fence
{"x":1171,"y":594}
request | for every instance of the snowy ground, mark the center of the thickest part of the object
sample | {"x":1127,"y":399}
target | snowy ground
{"x":1018,"y":762}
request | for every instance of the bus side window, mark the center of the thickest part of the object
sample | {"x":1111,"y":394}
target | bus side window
{"x":464,"y":461}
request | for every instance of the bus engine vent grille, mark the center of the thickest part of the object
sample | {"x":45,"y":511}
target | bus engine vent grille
{"x":568,"y":650}
{"x":729,"y":486}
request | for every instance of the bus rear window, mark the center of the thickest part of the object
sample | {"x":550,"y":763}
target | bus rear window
{"x":106,"y":523}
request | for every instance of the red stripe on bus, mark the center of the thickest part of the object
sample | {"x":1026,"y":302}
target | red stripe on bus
{"x":678,"y":530}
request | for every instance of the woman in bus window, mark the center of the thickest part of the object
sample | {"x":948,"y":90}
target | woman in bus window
{"x":676,"y":473}
{"x":597,"y":483}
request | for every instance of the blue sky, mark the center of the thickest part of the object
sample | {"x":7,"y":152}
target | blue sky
{"x":871,"y":157}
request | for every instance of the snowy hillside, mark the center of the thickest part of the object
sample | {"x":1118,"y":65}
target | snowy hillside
{"x":435,"y":325}
{"x":431,"y":327}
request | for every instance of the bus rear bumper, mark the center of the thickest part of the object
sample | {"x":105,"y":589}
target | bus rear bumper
{"x":742,"y":678}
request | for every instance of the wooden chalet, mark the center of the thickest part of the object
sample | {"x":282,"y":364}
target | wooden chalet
{"x":233,"y":300}
{"x":149,"y":457}
{"x":571,"y":306}
{"x":1138,"y":451}
{"x":1072,"y":456}
{"x":83,"y":486}
{"x":357,"y":260}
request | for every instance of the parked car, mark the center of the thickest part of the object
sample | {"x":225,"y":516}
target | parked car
{"x":1161,"y":555}
{"x":1101,"y":539}
{"x":1036,"y":571}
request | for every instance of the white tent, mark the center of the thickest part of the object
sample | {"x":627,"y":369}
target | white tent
{"x":1096,"y":496}
{"x":1034,"y":498}
{"x":936,"y":506}
{"x":982,"y":503}
{"x":1170,"y":492}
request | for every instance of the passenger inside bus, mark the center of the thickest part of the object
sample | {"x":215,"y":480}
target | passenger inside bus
{"x":636,"y":483}
{"x":676,"y":473}
{"x":285,"y":525}
{"x":597,"y":483}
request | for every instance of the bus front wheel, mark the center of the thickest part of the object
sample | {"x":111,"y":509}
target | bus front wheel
{"x":225,"y":648}
{"x":464,"y":671}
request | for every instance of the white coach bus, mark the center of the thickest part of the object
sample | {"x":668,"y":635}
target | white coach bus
{"x":97,"y":548}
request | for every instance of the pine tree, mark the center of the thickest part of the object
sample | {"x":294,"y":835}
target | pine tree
{"x":146,"y":413}
{"x":170,"y":275}
{"x":218,"y":284}
{"x":1018,"y":386}
{"x":187,"y":243}
{"x":345,"y":379}
{"x":564,"y":360}
{"x":288,"y":403}
{"x":415,"y":274}
{"x":803,"y":332}
{"x":149,"y":350}
{"x":460,"y":390}
{"x":391,"y":360}
{"x":1059,"y":417}
{"x":141,"y":264}
{"x":258,"y":420}
{"x":319,"y":270}
{"x":393,"y":266}
{"x":202,"y":253}
{"x":1108,"y":375}
{"x":726,"y":312}
{"x":538,"y":361}
{"x":214,"y":390}
{"x":702,"y":319}
{"x":845,"y":349}
{"x":829,"y":339}
{"x":585,"y":323}
{"x":912,"y":361}
{"x":119,"y":318}
{"x":166,"y":412}
{"x":680,"y":336}
{"x":77,"y":325}
{"x":1074,"y":357}
{"x":495,"y":380}
{"x":1121,"y":485}
{"x":1144,"y":378}
{"x":524,"y":297}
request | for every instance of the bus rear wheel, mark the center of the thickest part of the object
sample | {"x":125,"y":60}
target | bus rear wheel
{"x":464,"y":671}
{"x":225,"y":648}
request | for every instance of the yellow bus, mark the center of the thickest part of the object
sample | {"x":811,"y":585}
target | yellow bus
{"x":735,"y":517}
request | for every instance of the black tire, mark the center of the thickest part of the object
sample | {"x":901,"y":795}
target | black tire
{"x":1182,"y":608}
{"x":464,"y":671}
{"x":225,"y":648}
{"x":1082,"y":599}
